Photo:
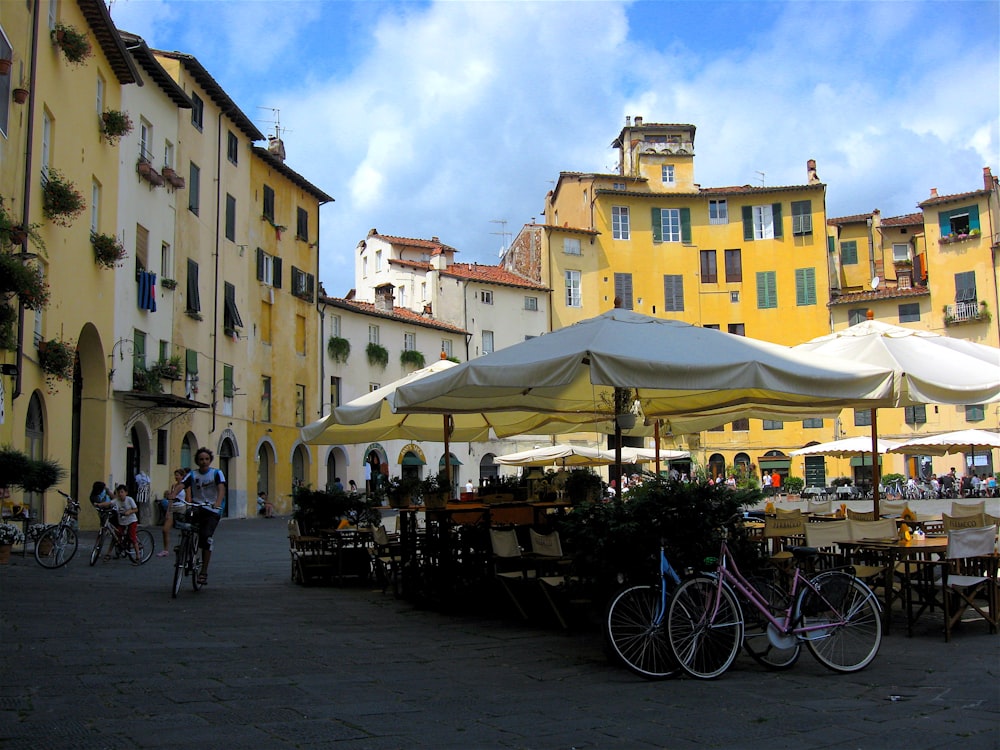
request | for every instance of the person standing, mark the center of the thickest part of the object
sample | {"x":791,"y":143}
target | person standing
{"x":128,"y":519}
{"x":776,"y":483}
{"x":206,"y":487}
{"x":174,"y":499}
{"x":765,"y":484}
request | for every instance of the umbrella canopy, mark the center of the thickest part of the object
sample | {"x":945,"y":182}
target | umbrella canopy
{"x":648,"y":455}
{"x":845,"y":448}
{"x":695,"y":377}
{"x":928,"y":368}
{"x":963,"y":441}
{"x":562,"y":455}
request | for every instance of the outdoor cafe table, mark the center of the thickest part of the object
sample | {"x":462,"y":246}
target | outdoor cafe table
{"x":909,"y":552}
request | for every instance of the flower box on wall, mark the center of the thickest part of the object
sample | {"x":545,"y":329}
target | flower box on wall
{"x":61,"y":201}
{"x":146,"y":172}
{"x":74,"y":44}
{"x":114,"y":125}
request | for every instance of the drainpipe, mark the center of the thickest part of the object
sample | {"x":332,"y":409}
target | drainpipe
{"x":215,"y":280}
{"x":27,"y":192}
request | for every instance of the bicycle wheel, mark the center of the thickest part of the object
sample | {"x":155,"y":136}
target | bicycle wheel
{"x":180,"y":561}
{"x":56,"y":546}
{"x":194,"y":562}
{"x":756,"y":640}
{"x":634,"y":629}
{"x":95,"y":554}
{"x":141,"y":553}
{"x":704,"y":638}
{"x":855,"y":632}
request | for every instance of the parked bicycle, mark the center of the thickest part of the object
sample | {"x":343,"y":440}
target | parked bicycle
{"x":188,"y":555}
{"x":57,"y":545}
{"x":836,"y":615}
{"x":118,"y":542}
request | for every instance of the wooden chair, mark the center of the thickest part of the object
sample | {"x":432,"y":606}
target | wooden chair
{"x":968,"y":509}
{"x":819,"y":506}
{"x":787,"y":512}
{"x":951,"y":523}
{"x":782,"y":532}
{"x":970,"y":574}
{"x":386,"y":559}
{"x":511,"y":567}
{"x":857,"y":515}
{"x":552,"y":572}
{"x":824,"y":537}
{"x":891,"y":510}
{"x":312,"y":559}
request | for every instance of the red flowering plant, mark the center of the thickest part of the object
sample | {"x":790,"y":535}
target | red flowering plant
{"x":61,"y":201}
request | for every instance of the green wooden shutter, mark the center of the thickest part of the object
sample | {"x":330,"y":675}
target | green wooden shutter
{"x":748,"y":223}
{"x":191,"y":362}
{"x":227,"y":381}
{"x":657,"y":226}
{"x":831,"y":244}
{"x":776,"y":218}
{"x":686,"y":225}
{"x":767,"y":294}
{"x":276,"y":272}
{"x":805,"y":286}
{"x":260,"y":264}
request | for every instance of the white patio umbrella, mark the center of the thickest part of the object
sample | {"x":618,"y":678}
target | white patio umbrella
{"x":962,"y":441}
{"x":561,"y":455}
{"x":927,"y":368}
{"x":648,"y":455}
{"x":845,"y":448}
{"x":694,"y":377}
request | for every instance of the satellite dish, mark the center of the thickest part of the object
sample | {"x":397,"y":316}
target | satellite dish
{"x":875,"y":282}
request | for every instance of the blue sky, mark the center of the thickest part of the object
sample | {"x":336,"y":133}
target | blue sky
{"x":436,"y":118}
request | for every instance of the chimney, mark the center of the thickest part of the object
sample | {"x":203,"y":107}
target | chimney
{"x":384,"y":298}
{"x":638,"y":121}
{"x":987,"y":178}
{"x":813,"y":178}
{"x":276,"y":147}
{"x":628,"y":121}
{"x":934,"y":193}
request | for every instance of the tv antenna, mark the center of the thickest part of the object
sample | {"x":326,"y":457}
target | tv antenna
{"x":761,"y":177}
{"x":504,"y":234}
{"x":278,"y":130}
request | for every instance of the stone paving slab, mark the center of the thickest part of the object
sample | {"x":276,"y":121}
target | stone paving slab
{"x":102,"y":657}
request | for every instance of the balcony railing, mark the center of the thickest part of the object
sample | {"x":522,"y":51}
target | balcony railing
{"x":964,"y":312}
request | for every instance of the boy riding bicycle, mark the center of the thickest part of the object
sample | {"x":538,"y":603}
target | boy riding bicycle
{"x":128,"y":516}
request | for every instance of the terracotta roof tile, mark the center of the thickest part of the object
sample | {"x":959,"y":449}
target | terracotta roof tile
{"x":855,"y":219}
{"x":490,"y":275}
{"x":432,"y":244}
{"x":883,"y":293}
{"x":955,"y":197}
{"x":908,"y":220}
{"x":400,"y":314}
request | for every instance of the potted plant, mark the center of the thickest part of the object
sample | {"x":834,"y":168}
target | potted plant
{"x":14,"y":233}
{"x":108,"y":250}
{"x":583,"y":486}
{"x":794,"y":485}
{"x":378,"y":356}
{"x":145,"y":379}
{"x":411,"y":357}
{"x":5,"y":65}
{"x":25,"y":280}
{"x":401,"y":491}
{"x":168,"y":283}
{"x":8,"y":317}
{"x":168,"y":369}
{"x":61,"y":201}
{"x":338,"y":348}
{"x":9,"y":536}
{"x":20,"y":95}
{"x":435,"y":490}
{"x":114,"y":125}
{"x":56,"y":358}
{"x":73,"y":43}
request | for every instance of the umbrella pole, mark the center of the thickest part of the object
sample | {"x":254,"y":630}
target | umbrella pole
{"x":449,"y":425}
{"x":618,"y":459}
{"x":875,"y":472}
{"x":656,"y":437}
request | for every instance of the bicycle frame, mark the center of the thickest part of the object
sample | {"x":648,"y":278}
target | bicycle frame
{"x":729,"y":573}
{"x":667,"y":572}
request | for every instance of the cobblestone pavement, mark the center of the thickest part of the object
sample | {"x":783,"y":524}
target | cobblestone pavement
{"x":102,"y":657}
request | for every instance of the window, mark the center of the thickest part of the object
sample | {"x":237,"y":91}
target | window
{"x":618,"y":186}
{"x":194,"y":188}
{"x":409,"y":341}
{"x":900,"y":252}
{"x":862,"y":417}
{"x":423,"y":291}
{"x":975,"y":413}
{"x":268,"y":211}
{"x":812,"y":424}
{"x":446,"y":348}
{"x":770,"y":424}
{"x":673,"y":293}
{"x":265,"y":398}
{"x":301,"y":224}
{"x":909,"y":313}
{"x":190,"y":373}
{"x":762,"y":222}
{"x":486,"y":297}
{"x":737,"y":329}
{"x":373,"y":335}
{"x":718,"y":212}
{"x":849,"y":253}
{"x":709,"y":268}
{"x":166,"y":261}
{"x":487,"y":342}
{"x":168,"y":154}
{"x":531,"y":303}
{"x":197,"y":111}
{"x":46,"y":142}
{"x":230,"y":218}
{"x":734,"y":266}
{"x":623,"y":289}
{"x":965,"y":286}
{"x":7,"y":53}
{"x":334,"y":391}
{"x":734,"y":297}
{"x":95,"y":206}
{"x":915,"y":414}
{"x":667,"y":174}
{"x":378,"y":261}
{"x":138,"y":349}
{"x":959,"y":221}
{"x":145,"y":141}
{"x":98,"y":102}
{"x":300,"y":405}
{"x":858,"y":315}
{"x":364,"y":267}
{"x":374,"y":386}
{"x":233,"y":148}
{"x":401,"y":295}
{"x":573,"y":294}
{"x":619,"y":222}
{"x":571,"y":246}
{"x":767,"y":290}
{"x":231,"y":319}
{"x":335,"y":325}
{"x":741,"y":425}
{"x":805,"y":286}
{"x":162,"y":447}
{"x":268,"y":269}
{"x":141,"y":248}
{"x":671,"y":224}
{"x":193,"y":301}
{"x":303,"y":284}
{"x":228,"y":390}
{"x":802,"y":220}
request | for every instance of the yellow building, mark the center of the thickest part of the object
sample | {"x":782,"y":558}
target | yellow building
{"x":62,"y":175}
{"x":738,"y":259}
{"x":282,"y":379}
